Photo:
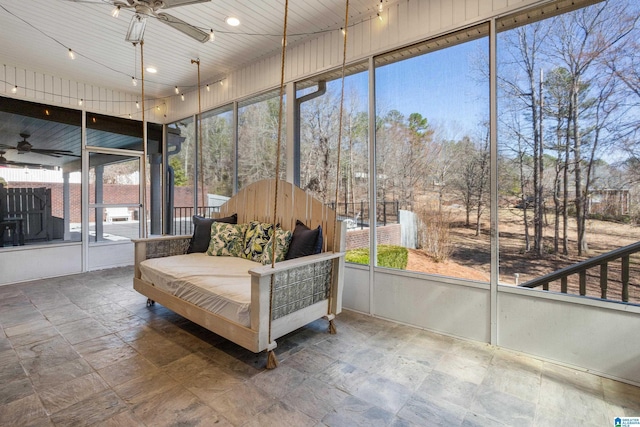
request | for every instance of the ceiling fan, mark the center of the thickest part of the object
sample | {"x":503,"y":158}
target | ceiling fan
{"x":5,"y":162}
{"x":25,"y":146}
{"x":146,"y":8}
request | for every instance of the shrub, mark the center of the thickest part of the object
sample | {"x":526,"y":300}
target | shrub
{"x":388,"y":256}
{"x":436,"y":237}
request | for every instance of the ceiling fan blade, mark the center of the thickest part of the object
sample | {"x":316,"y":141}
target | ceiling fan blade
{"x":26,"y":165}
{"x":176,"y":3}
{"x":53,"y":153}
{"x":184,"y":27}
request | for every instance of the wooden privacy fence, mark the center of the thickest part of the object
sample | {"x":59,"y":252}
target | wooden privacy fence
{"x":30,"y":206}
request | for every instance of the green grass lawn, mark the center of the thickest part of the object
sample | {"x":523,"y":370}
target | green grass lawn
{"x":388,"y":256}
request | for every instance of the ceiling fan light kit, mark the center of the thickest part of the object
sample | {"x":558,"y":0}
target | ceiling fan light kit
{"x":146,"y":8}
{"x":135,"y":33}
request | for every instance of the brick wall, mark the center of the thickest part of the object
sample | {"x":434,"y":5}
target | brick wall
{"x":387,"y":235}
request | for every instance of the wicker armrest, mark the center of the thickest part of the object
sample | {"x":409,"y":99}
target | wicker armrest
{"x":163,"y":246}
{"x":300,"y":282}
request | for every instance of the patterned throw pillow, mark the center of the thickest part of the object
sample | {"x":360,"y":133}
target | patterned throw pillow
{"x":202,"y":231}
{"x":283,"y":239}
{"x":226,"y":239}
{"x":255,"y":239}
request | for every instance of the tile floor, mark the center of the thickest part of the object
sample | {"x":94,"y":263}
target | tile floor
{"x":85,"y":350}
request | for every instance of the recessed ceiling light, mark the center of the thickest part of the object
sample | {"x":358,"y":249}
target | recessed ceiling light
{"x":152,"y":70}
{"x":233,"y":21}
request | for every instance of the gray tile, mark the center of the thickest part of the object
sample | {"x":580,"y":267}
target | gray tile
{"x":343,"y":376}
{"x":82,"y":330}
{"x":14,"y":390}
{"x":406,"y":371}
{"x":127,"y":370}
{"x":10,"y":367}
{"x":444,"y":387}
{"x":315,"y":398}
{"x":463,"y":368}
{"x":177,"y":407}
{"x":277,"y":382}
{"x":94,"y":409}
{"x":432,"y":412}
{"x":50,"y":376}
{"x":60,"y":314}
{"x":280,"y":414}
{"x":63,"y":395}
{"x":144,"y":388}
{"x":27,"y":411}
{"x":46,"y":355}
{"x":503,"y":407}
{"x":240,"y":404}
{"x":308,"y":361}
{"x":383,"y":392}
{"x":355,"y":412}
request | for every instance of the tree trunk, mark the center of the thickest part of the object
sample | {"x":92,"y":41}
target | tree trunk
{"x":579,"y":201}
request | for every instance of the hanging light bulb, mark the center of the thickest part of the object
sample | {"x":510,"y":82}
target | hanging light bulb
{"x":129,"y":115}
{"x":212,"y":36}
{"x":115,"y":12}
{"x":380,"y":8}
{"x":177,"y":90}
{"x":208,"y":88}
{"x":80,"y":101}
{"x":72,"y":55}
{"x":182,"y":96}
{"x":344,"y":32}
{"x":137,"y":105}
{"x":379,"y":16}
{"x":221,"y":83}
{"x":134,"y":81}
{"x":14,"y":89}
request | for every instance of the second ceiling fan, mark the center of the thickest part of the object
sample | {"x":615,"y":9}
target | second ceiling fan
{"x":24,"y":146}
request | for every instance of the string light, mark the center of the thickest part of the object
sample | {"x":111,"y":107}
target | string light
{"x":221,"y":83}
{"x":380,"y":8}
{"x":129,"y":115}
{"x":344,"y":32}
{"x":72,"y":55}
{"x":177,"y":90}
{"x":115,"y":12}
{"x":379,"y":16}
{"x":182,"y":96}
{"x":14,"y":89}
{"x":80,"y":102}
{"x":208,"y":88}
{"x":134,"y":81}
{"x":212,"y":36}
{"x":137,"y":105}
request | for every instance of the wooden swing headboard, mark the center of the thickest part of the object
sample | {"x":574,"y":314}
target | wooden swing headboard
{"x":255,"y":202}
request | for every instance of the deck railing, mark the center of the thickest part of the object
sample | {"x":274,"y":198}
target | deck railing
{"x":182,"y":217}
{"x":622,"y":254}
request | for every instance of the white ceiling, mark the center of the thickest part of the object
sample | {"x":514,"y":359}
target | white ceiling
{"x":37,"y":34}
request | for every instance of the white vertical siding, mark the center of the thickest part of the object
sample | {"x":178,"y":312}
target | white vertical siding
{"x":43,"y":88}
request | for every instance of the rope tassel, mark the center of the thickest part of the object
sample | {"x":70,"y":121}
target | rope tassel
{"x":272,"y":360}
{"x":332,"y":327}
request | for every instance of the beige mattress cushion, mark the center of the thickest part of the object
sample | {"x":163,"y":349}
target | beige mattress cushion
{"x":221,"y":285}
